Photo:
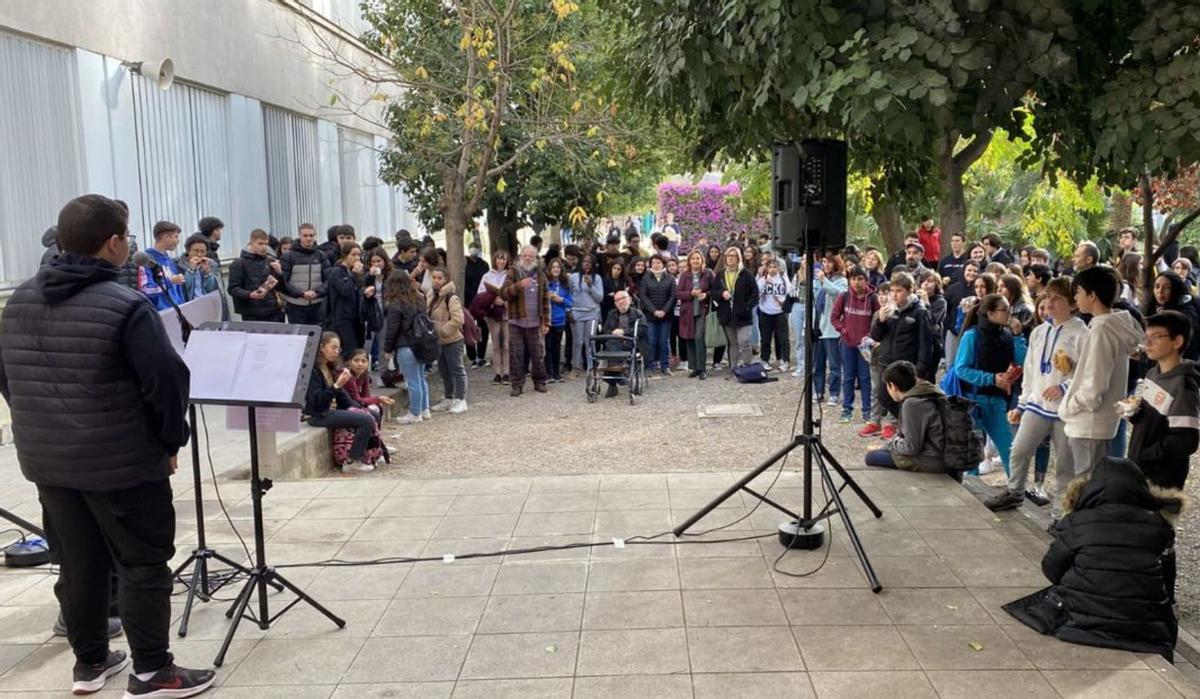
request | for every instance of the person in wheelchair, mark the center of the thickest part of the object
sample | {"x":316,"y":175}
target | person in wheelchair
{"x":621,"y":321}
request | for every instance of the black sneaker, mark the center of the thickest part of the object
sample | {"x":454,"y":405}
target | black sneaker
{"x":114,"y":626}
{"x":702,"y":375}
{"x":172,"y":681}
{"x":612,"y":390}
{"x":1037,"y":498}
{"x":1007,"y":500}
{"x":89,"y":679}
{"x":1052,"y":528}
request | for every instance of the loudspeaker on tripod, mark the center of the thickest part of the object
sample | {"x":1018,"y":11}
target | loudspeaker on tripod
{"x":808,"y":195}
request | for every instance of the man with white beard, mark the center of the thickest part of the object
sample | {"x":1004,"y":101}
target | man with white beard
{"x":528,"y":320}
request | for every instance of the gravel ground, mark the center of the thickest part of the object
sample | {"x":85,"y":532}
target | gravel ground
{"x":560,"y":432}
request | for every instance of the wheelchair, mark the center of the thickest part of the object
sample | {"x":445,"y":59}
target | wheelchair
{"x":610,"y":351}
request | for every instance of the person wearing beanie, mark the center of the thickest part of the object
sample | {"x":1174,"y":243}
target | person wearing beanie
{"x":211,"y":228}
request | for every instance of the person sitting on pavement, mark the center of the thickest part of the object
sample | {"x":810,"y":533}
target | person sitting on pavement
{"x":920,"y":441}
{"x":1108,"y":587}
{"x":621,"y":321}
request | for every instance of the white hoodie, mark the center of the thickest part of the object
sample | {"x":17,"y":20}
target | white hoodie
{"x":1039,"y":371}
{"x":1088,"y":410}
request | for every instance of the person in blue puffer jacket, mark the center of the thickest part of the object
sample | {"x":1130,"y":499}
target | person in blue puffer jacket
{"x":558,"y":289}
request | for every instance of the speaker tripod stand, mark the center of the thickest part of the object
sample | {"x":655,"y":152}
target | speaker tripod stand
{"x":806,"y":531}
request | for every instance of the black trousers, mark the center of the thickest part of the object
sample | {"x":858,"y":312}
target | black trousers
{"x":305,"y":315}
{"x":133,"y":530}
{"x":554,"y":341}
{"x":114,"y":607}
{"x":773,"y":328}
{"x":362,"y":424}
{"x":351,"y":333}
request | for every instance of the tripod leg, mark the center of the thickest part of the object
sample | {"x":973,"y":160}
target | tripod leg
{"x":341,"y":623}
{"x":243,"y":569}
{"x":191,"y":599}
{"x":177,"y":573}
{"x":830,"y":459}
{"x":859,"y":551}
{"x":237,"y":611}
{"x":740,"y":485}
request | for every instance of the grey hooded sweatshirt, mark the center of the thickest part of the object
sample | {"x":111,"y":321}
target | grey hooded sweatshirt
{"x":919,"y":441}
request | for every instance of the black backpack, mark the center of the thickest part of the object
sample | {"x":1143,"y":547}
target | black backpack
{"x":963,"y":443}
{"x":752,"y":373}
{"x":424,"y":338}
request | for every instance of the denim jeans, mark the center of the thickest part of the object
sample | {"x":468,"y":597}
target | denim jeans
{"x":660,"y":344}
{"x":414,"y":378}
{"x":826,"y":351}
{"x":855,"y":366}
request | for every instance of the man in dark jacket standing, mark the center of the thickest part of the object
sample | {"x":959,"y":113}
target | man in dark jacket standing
{"x":905,"y":324}
{"x":475,"y":269}
{"x":305,"y":269}
{"x":252,"y":281}
{"x":74,"y":345}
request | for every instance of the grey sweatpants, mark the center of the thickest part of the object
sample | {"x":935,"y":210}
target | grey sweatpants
{"x":1032,"y":431}
{"x":581,"y":336}
{"x":1085,"y":453}
{"x":879,"y":416}
{"x":739,"y":344}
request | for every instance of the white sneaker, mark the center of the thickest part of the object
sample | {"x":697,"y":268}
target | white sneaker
{"x":458,"y":407}
{"x":425,"y":415}
{"x":356,"y":467}
{"x":799,"y":373}
{"x":832,"y":401}
{"x":442,"y":405}
{"x":407,"y":419}
{"x":986,"y":467}
{"x":682,"y":366}
{"x":783,"y":366}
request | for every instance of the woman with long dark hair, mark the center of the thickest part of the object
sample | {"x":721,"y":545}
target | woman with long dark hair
{"x":327,"y":403}
{"x":991,"y":345}
{"x":403,"y":302}
{"x":615,"y":279}
{"x":1171,"y":294}
{"x":347,"y":298}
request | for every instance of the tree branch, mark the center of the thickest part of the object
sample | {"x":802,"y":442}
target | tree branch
{"x":972,"y":151}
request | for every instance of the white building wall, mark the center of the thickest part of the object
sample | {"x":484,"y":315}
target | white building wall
{"x":74,"y":119}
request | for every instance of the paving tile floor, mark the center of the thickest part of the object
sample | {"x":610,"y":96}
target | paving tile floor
{"x":698,"y":617}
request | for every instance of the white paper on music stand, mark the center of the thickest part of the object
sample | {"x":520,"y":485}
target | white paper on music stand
{"x":269,"y":367}
{"x":205,"y":309}
{"x":213,"y":359}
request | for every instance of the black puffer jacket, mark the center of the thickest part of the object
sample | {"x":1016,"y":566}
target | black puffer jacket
{"x":909,"y":335}
{"x":657,"y":295}
{"x":1106,"y":565}
{"x":738,"y":311}
{"x":98,"y":395}
{"x":246,"y":275}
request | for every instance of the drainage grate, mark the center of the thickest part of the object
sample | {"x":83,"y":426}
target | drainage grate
{"x":717,"y":410}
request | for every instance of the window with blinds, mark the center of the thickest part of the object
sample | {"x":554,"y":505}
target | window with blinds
{"x":183,"y":157}
{"x":293,"y":169}
{"x":41,"y":162}
{"x":360,"y":182}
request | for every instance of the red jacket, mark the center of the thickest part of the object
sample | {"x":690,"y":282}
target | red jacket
{"x":359,"y":389}
{"x":931,"y":240}
{"x":852,"y":316}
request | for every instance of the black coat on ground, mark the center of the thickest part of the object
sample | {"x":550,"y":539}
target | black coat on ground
{"x":1105,"y":565}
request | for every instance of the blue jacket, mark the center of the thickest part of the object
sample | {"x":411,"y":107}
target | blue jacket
{"x":558,"y":310}
{"x":832,"y":288}
{"x":151,"y":288}
{"x":964,"y":361}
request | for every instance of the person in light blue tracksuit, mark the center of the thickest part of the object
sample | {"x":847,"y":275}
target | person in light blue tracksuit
{"x":829,"y":282}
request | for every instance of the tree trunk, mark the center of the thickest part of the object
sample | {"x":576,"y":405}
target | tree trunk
{"x":1148,"y":225}
{"x":887,"y":217}
{"x":555,"y":236}
{"x":1120,"y":211}
{"x":454,"y":216}
{"x":953,"y":218}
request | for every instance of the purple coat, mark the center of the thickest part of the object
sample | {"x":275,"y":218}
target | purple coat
{"x":689,"y":324}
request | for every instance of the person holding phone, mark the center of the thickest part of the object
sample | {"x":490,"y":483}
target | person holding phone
{"x":328,"y":404}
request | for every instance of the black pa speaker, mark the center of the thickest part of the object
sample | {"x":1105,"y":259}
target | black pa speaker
{"x":808,"y":199}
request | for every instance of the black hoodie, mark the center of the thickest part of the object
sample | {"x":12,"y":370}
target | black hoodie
{"x":98,"y":394}
{"x":1166,"y":427}
{"x":246,"y":275}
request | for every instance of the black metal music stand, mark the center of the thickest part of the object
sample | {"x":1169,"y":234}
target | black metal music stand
{"x":261,"y":575}
{"x":202,"y":583}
